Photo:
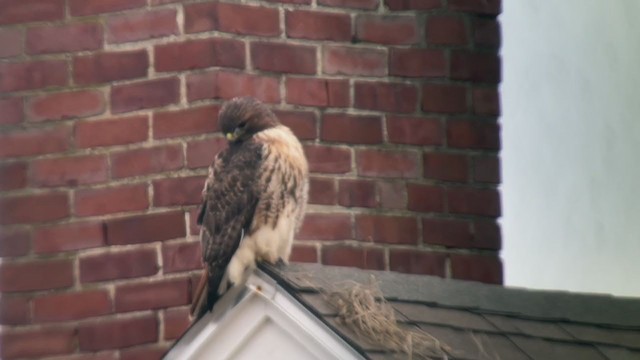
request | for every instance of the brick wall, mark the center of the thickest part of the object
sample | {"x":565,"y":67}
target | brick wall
{"x":107,"y":120}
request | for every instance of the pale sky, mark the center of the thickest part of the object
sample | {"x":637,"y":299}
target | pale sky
{"x":571,"y":145}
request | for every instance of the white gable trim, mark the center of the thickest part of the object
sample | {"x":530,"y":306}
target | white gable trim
{"x":266,"y":316}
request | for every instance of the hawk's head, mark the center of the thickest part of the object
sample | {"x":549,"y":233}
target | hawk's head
{"x":240,"y":118}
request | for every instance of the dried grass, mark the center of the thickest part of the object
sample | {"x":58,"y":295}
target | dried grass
{"x":364,"y":310}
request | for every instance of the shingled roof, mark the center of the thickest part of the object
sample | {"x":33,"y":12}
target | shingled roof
{"x":480,"y":321}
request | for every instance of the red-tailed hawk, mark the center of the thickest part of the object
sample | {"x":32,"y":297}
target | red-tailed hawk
{"x":253,"y":199}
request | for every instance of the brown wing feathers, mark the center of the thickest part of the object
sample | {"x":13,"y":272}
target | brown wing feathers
{"x":227,"y":211}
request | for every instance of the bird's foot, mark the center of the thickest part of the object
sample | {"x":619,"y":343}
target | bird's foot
{"x":280,"y":263}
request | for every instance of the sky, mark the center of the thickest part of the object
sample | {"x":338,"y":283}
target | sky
{"x":571,"y":145}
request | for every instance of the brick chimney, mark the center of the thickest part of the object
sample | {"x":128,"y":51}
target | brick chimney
{"x":107,"y":124}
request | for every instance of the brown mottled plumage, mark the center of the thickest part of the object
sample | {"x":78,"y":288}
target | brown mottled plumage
{"x":253,"y":200}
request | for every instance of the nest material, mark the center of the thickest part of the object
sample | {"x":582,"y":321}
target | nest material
{"x":365,"y":311}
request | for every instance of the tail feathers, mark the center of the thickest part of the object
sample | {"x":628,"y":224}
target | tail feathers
{"x":206,"y":294}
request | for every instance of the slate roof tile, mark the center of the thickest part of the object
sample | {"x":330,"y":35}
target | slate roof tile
{"x":603,"y":335}
{"x":482,"y":321}
{"x":433,"y":315}
{"x":539,"y":349}
{"x":541,"y":329}
{"x":618,"y":353}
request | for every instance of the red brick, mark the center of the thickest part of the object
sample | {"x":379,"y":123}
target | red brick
{"x":413,"y":262}
{"x":67,"y":237}
{"x":486,"y":101}
{"x":383,"y":163}
{"x":391,"y":195}
{"x":448,"y":167}
{"x":34,"y":142}
{"x":192,"y":121}
{"x":286,"y":58}
{"x":109,"y":132}
{"x":425,"y":198}
{"x":69,"y":171}
{"x":353,"y":129}
{"x":483,"y":202}
{"x":14,"y":310}
{"x":317,"y":92}
{"x":318,"y":25}
{"x":447,"y":232}
{"x":36,"y":275}
{"x":145,"y":94}
{"x":118,"y":265}
{"x":64,"y":38}
{"x":228,"y":84}
{"x":146,"y":161}
{"x":302,"y":2}
{"x":155,"y":295}
{"x":16,"y":11}
{"x":328,"y":159}
{"x":194,"y":228}
{"x":349,"y":60}
{"x":181,"y":257}
{"x":247,"y":19}
{"x":110,"y":66}
{"x":201,"y":153}
{"x":178,"y":191}
{"x":473,"y":134}
{"x":196,"y":54}
{"x":446,"y":30}
{"x":162,"y":2}
{"x":64,"y":105}
{"x":119,"y":333}
{"x":486,"y":169}
{"x":417,"y":63}
{"x":387,"y":29}
{"x":92,"y":7}
{"x":33,"y":208}
{"x":399,"y":5}
{"x":326,"y":227}
{"x":14,"y":242}
{"x":11,"y":110}
{"x":13,"y":176}
{"x":414,"y":131}
{"x":146,"y":228}
{"x":387,"y":229}
{"x":12,"y":42}
{"x":71,"y":306}
{"x":487,"y":269}
{"x":302,"y":123}
{"x":443,"y":98}
{"x":32,"y":75}
{"x":176,"y":321}
{"x":142,"y":25}
{"x":357,"y":193}
{"x":322,"y":191}
{"x":486,"y":32}
{"x":344,"y":255}
{"x":103,"y":355}
{"x":353,"y":4}
{"x":200,"y":17}
{"x":488,"y":7}
{"x":233,"y":18}
{"x":37,"y":342}
{"x":477,"y":67}
{"x":487,"y":235}
{"x":150,"y":352}
{"x":307,"y":254}
{"x":388,"y":97}
{"x":92,"y":202}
